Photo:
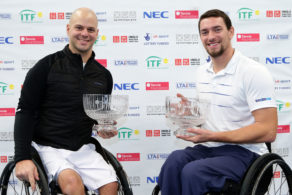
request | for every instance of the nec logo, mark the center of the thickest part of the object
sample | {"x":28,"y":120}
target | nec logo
{"x":126,"y":86}
{"x":278,"y":60}
{"x":6,"y":40}
{"x":152,"y":179}
{"x":156,"y":14}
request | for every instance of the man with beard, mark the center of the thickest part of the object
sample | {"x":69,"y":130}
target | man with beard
{"x":242,"y":116}
{"x":50,"y":114}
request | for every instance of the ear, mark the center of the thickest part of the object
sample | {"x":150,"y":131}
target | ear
{"x":96,"y":35}
{"x":67,"y":28}
{"x":97,"y":31}
{"x":231,"y":32}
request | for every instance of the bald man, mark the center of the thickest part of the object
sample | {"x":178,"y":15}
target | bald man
{"x":50,"y":114}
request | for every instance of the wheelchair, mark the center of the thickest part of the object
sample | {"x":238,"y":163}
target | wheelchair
{"x":267,"y":175}
{"x":9,"y":184}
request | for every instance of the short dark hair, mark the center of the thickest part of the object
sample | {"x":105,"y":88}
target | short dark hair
{"x":216,"y":13}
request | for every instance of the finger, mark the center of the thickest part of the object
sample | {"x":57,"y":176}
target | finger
{"x":36,"y":174}
{"x":183,"y":98}
{"x":31,"y":181}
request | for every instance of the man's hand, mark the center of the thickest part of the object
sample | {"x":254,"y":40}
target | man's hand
{"x":26,"y":170}
{"x":107,"y":134}
{"x":200,"y":135}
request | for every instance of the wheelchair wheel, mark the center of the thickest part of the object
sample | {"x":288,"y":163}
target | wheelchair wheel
{"x":156,"y":190}
{"x":11,"y":185}
{"x":269,"y":174}
{"x":124,"y":186}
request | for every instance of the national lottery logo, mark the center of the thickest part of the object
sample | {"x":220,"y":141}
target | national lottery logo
{"x":152,"y":39}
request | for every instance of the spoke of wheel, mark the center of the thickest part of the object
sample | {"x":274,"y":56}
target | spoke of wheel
{"x":12,"y":184}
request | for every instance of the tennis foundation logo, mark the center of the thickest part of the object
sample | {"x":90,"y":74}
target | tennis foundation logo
{"x":31,"y":39}
{"x":283,"y":129}
{"x":7,"y":111}
{"x":128,"y":156}
{"x":248,"y":37}
{"x":186,"y":14}
{"x":157,"y":86}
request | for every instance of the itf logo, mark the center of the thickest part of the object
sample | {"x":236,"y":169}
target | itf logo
{"x":155,"y":62}
{"x":100,"y":41}
{"x":6,"y":88}
{"x":127,"y":133}
{"x":283,"y":106}
{"x":30,"y":16}
{"x":247,"y":13}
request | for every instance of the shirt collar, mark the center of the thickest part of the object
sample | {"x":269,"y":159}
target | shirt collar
{"x":231,"y":66}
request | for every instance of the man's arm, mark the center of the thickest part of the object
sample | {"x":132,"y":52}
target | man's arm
{"x":25,"y":119}
{"x":262,"y":130}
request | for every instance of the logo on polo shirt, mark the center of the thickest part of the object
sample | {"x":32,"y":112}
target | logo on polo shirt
{"x":263,"y":99}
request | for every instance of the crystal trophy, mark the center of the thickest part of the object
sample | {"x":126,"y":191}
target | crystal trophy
{"x":184,"y":113}
{"x":105,"y":109}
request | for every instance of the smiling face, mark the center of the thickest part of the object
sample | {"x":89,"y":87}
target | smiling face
{"x":215,"y":36}
{"x":82,"y":31}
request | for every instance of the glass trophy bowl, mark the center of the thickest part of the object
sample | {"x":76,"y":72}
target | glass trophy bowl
{"x":185,"y":113}
{"x":105,"y":109}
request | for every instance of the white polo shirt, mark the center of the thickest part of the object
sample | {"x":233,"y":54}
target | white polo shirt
{"x":234,"y":92}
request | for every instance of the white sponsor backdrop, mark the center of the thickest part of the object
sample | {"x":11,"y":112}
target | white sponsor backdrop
{"x":152,"y":49}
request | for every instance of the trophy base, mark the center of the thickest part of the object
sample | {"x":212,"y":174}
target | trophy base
{"x":183,"y":132}
{"x":105,"y":128}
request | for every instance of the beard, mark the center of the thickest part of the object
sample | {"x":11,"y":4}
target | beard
{"x":215,"y":54}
